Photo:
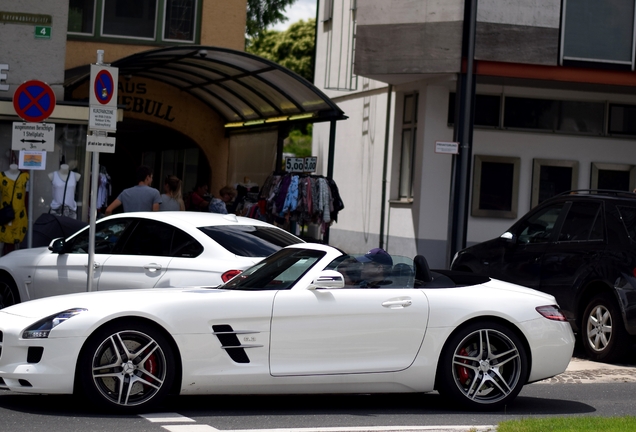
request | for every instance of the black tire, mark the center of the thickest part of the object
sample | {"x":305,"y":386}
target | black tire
{"x":8,"y":292}
{"x":137,"y":367}
{"x":603,"y":334}
{"x":483,"y":366}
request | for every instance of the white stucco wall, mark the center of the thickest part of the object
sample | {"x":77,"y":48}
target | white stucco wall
{"x":30,"y":58}
{"x":358,"y":166}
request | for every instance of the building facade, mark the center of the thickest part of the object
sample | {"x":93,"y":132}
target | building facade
{"x":160,"y":127}
{"x":555,"y":97}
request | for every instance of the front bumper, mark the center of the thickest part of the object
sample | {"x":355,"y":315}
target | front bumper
{"x":36,"y":365}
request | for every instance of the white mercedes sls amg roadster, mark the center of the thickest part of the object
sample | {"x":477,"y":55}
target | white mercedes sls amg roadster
{"x":307,"y":319}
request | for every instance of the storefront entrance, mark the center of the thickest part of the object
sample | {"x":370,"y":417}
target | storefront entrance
{"x":164,"y":150}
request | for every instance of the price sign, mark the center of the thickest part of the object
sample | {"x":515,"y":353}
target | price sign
{"x":293,"y":164}
{"x":310,"y":164}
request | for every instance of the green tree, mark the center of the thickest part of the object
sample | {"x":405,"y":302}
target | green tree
{"x":262,"y":14}
{"x":292,"y":48}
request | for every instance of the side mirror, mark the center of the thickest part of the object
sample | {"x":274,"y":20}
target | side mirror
{"x":328,"y":279}
{"x":508,"y":236}
{"x":58,"y":246}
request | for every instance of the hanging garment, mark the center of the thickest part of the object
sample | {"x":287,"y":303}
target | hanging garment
{"x":103,"y":190}
{"x":14,"y":231}
{"x":291,"y":198}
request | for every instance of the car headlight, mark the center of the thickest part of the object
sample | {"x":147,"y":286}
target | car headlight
{"x":42,"y":328}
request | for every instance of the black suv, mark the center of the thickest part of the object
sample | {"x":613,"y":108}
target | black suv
{"x":579,"y":246}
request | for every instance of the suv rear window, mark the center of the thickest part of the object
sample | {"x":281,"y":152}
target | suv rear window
{"x":250,"y":241}
{"x":628,"y":217}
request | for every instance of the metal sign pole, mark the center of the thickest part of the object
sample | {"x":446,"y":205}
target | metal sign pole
{"x":102,"y":119}
{"x":93,"y":203}
{"x":30,"y":212}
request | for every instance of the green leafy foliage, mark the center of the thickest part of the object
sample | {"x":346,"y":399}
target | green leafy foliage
{"x":262,"y":14}
{"x":298,"y":141}
{"x":293,"y":48}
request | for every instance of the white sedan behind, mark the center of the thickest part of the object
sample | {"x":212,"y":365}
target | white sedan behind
{"x":142,"y":250}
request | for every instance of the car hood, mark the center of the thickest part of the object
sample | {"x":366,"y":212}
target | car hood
{"x":105,"y":301}
{"x":21,"y":256}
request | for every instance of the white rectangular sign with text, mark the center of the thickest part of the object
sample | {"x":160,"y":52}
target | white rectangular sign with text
{"x":100,"y":144}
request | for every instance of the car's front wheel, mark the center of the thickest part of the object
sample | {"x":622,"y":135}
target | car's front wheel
{"x":8,"y":292}
{"x":126,"y":366}
{"x":603,"y":335}
{"x":483,"y":366}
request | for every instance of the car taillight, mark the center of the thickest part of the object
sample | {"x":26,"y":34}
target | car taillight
{"x":552,"y":312}
{"x":230,"y":274}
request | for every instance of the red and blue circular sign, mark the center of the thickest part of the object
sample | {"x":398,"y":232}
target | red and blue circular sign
{"x":104,"y":87}
{"x":34,"y":101}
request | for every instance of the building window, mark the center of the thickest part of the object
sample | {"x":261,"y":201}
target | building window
{"x":608,"y":176}
{"x":133,"y":19}
{"x":552,"y":177}
{"x":622,"y":119}
{"x":598,"y":31}
{"x":407,"y":155}
{"x":179,"y":20}
{"x":150,"y":20}
{"x":554,"y":115}
{"x":486,"y":113}
{"x":496,"y":186}
{"x":81,"y":16}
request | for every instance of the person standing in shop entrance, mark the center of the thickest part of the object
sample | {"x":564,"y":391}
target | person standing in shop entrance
{"x":219,"y":205}
{"x":138,"y":198}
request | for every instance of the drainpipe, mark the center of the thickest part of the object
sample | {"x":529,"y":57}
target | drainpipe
{"x":463,"y":133}
{"x":385,"y":167}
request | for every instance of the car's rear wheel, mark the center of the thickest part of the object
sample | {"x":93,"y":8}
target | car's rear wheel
{"x":483,"y":366}
{"x":603,"y":335}
{"x":126,"y":366}
{"x":8,"y":292}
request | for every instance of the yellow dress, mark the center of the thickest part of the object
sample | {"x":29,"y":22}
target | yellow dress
{"x":14,"y":231}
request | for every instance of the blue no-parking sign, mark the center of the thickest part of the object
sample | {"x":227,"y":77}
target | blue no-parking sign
{"x":34,"y":101}
{"x":103,"y":98}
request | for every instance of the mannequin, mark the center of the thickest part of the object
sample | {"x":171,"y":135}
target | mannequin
{"x":64,"y":182}
{"x":12,"y":172}
{"x":13,"y":187}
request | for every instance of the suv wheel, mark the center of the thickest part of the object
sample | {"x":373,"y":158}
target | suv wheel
{"x":602,"y":332}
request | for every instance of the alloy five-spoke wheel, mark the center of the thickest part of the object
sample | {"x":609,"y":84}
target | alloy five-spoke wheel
{"x":483,"y":366}
{"x":127,"y":367}
{"x":603,"y":334}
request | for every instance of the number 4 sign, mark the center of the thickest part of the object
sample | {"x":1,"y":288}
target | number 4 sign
{"x":42,"y":32}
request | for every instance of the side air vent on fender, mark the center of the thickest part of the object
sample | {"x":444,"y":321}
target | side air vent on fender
{"x":231,"y":344}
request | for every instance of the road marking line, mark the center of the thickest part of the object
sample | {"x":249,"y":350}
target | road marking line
{"x":167,"y":418}
{"x":189,"y":428}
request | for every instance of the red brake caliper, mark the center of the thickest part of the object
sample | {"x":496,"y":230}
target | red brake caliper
{"x":151,"y":365}
{"x":464,"y":376}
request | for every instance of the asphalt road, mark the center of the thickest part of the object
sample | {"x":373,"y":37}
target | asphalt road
{"x":586,"y":389}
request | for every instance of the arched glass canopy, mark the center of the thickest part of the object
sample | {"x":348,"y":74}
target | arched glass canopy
{"x":243,"y":88}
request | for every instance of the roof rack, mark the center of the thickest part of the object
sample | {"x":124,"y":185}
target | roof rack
{"x":607,"y":192}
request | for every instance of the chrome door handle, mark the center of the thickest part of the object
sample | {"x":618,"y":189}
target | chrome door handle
{"x":153,"y":267}
{"x":394,"y":304}
{"x":95,"y":265}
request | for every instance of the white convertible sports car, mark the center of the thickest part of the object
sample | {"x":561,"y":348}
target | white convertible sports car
{"x":300,"y":321}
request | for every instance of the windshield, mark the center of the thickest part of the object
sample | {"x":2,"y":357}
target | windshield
{"x":249,"y":240}
{"x":277,"y":272}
